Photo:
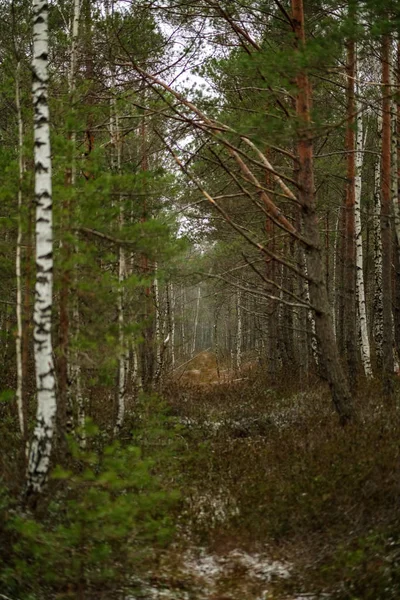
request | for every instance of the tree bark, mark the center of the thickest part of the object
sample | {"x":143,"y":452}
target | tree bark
{"x":323,"y":319}
{"x":387,"y":355}
{"x":238,"y":331}
{"x":378,"y":291}
{"x":350,"y":245}
{"x":41,"y":446}
{"x":196,"y":321}
{"x":360,"y":287}
{"x":18,"y":340}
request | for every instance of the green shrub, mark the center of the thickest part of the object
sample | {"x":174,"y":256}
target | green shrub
{"x":366,"y":569}
{"x":108,"y":515}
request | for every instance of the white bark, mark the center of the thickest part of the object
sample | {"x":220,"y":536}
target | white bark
{"x":161,"y":345}
{"x":116,"y":150}
{"x":76,"y":374}
{"x":334,"y":272}
{"x":196,"y":321}
{"x":378,"y":294}
{"x":40,"y":451}
{"x":18,"y":340}
{"x":122,"y":361}
{"x":360,"y":287}
{"x":394,"y":174}
{"x":310,"y":316}
{"x":121,"y":341}
{"x":75,"y":370}
{"x":216,"y":344}
{"x":136,"y":379}
{"x":238,"y":332}
{"x":183,"y":332}
{"x":74,"y":46}
{"x":171,"y":293}
{"x":157,"y":322}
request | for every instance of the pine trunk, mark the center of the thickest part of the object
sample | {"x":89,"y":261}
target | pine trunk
{"x":318,"y":294}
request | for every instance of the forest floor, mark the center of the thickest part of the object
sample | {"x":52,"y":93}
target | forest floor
{"x":274,"y":499}
{"x":280,"y":501}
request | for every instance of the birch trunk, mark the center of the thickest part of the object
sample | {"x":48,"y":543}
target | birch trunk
{"x":350,"y":246}
{"x":335,"y":277}
{"x":394,"y":166}
{"x":75,"y":368}
{"x":121,"y":343}
{"x":311,"y":318}
{"x":360,"y":287}
{"x":77,"y":382}
{"x":115,"y":156}
{"x":395,"y":196}
{"x":147,"y":348}
{"x":122,"y":360}
{"x":216,"y":344}
{"x":171,"y":303}
{"x":41,"y":446}
{"x":18,"y":340}
{"x":183,"y":329}
{"x":196,"y":321}
{"x":157,"y":319}
{"x":385,"y":221}
{"x":238,"y":331}
{"x":378,"y":290}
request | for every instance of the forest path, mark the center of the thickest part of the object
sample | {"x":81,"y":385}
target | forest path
{"x":233,"y":566}
{"x":235,"y":575}
{"x":204,"y":368}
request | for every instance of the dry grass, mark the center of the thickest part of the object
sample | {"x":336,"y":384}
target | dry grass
{"x":272,"y":466}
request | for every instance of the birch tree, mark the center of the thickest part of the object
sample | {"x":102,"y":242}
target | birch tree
{"x":385,"y":219}
{"x":238,"y":361}
{"x":349,"y":247}
{"x":378,"y":289}
{"x":42,"y":441}
{"x":196,"y":320}
{"x":18,"y":339}
{"x":360,"y":287}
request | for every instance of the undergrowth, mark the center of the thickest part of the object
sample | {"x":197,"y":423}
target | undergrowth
{"x":252,"y":466}
{"x":108,"y":510}
{"x":279,"y":470}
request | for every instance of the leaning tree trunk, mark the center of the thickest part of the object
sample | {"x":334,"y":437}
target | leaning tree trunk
{"x":40,"y":451}
{"x":385,"y":222}
{"x":318,"y":293}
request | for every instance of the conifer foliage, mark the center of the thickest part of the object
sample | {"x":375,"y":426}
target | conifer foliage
{"x":195,"y":192}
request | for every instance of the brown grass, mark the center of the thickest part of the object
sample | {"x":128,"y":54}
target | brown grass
{"x":291,"y":477}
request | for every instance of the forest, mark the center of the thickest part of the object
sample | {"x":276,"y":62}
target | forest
{"x":199,"y":300}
